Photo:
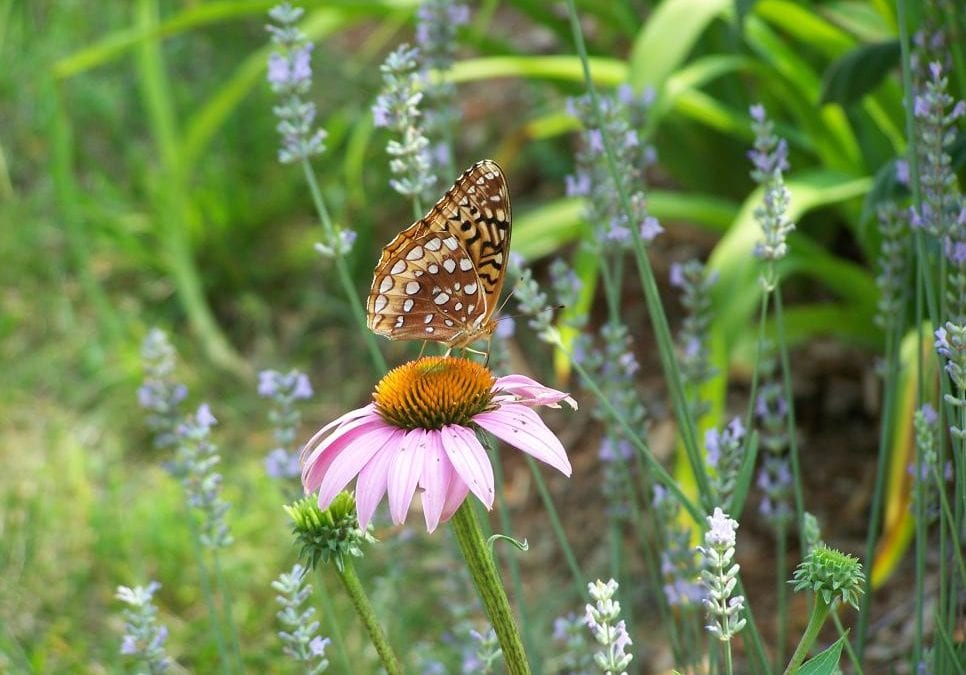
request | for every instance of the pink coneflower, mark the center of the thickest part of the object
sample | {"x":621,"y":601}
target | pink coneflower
{"x":420,"y":432}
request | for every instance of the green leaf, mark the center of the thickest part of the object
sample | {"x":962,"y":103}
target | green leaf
{"x":737,"y":293}
{"x":824,"y":663}
{"x":805,"y":25}
{"x":859,"y":72}
{"x":606,"y":72}
{"x":885,"y":187}
{"x":666,"y":40}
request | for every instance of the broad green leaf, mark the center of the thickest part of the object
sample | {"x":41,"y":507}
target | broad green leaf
{"x":606,"y":72}
{"x":867,"y":20}
{"x":737,"y":293}
{"x":885,"y":187}
{"x":833,"y":135}
{"x":668,"y":37}
{"x":195,"y":16}
{"x":850,"y":323}
{"x":805,"y":25}
{"x":543,"y":230}
{"x":825,"y":663}
{"x":859,"y":72}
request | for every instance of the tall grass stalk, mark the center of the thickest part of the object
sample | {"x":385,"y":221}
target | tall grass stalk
{"x":171,"y":203}
{"x":342,"y":268}
{"x":662,"y":333}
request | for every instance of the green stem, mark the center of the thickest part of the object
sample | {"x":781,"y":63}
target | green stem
{"x":790,"y":403}
{"x":357,"y":594}
{"x":332,"y":620}
{"x":227,"y":613}
{"x":479,"y":560}
{"x":580,"y":581}
{"x":660,"y":473}
{"x":820,"y":612}
{"x":878,"y":492}
{"x":345,"y":277}
{"x":205,"y":582}
{"x":781,"y":594}
{"x":662,"y":332}
{"x":515,"y":578}
{"x":853,"y":657}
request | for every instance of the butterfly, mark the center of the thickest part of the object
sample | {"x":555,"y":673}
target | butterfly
{"x":441,"y":277}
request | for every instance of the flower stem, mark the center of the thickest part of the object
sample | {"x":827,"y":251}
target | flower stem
{"x":357,"y":594}
{"x":358,"y":311}
{"x":479,"y":560}
{"x":819,"y":613}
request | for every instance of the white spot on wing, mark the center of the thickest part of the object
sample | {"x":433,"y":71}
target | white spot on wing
{"x":433,"y":245}
{"x":451,"y":243}
{"x":433,"y":268}
{"x":441,"y":299}
{"x":380,"y":304}
{"x":470,"y":289}
{"x":429,"y":329}
{"x":428,"y":318}
{"x":449,"y":265}
{"x":408,"y":305}
{"x":399,"y":267}
{"x":466,"y":264}
{"x":385,"y":285}
{"x":399,"y":321}
{"x":412,"y":288}
{"x":415,"y":254}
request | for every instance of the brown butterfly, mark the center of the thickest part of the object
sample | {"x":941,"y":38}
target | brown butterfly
{"x":440,"y":278}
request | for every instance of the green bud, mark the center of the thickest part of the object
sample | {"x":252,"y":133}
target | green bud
{"x":328,"y":535}
{"x":831,"y":574}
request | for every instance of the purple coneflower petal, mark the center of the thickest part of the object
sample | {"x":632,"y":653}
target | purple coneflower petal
{"x":455,"y":495}
{"x":529,"y":392}
{"x":318,"y":435}
{"x":404,"y":473}
{"x":470,"y":461}
{"x":437,"y":473}
{"x":345,"y":466}
{"x":331,"y":447}
{"x":371,"y":484}
{"x":522,"y":428}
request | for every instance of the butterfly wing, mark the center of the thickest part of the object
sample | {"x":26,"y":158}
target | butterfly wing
{"x":441,"y":277}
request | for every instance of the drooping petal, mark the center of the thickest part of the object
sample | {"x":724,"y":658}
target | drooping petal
{"x":437,"y":472}
{"x":320,"y":434}
{"x":349,"y":462}
{"x":470,"y":461}
{"x":531,"y":393}
{"x":455,"y":495}
{"x":317,"y":465}
{"x":371,"y":484}
{"x":404,"y":473}
{"x":522,"y":428}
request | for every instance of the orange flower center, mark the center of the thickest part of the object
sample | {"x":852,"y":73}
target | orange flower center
{"x":434,"y":391}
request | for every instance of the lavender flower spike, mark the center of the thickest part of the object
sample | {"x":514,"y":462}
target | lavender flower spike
{"x":769,"y":157}
{"x":290,"y":76}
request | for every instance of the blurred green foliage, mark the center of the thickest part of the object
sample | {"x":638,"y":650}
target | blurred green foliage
{"x":139,"y":186}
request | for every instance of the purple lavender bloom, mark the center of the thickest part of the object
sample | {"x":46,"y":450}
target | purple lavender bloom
{"x":577,"y":185}
{"x":676,"y":275}
{"x":650,"y":228}
{"x":902,"y":172}
{"x":280,"y":463}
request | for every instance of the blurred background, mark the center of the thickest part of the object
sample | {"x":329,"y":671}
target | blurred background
{"x":140,"y":187}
